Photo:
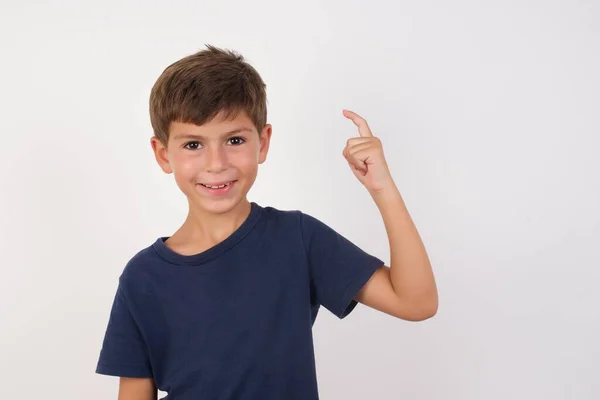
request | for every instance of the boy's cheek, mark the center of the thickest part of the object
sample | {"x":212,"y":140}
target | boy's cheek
{"x":187,"y":162}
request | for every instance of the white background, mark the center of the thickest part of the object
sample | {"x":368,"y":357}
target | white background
{"x":489,"y":115}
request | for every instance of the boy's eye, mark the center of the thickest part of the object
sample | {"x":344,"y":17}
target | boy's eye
{"x":192,"y":145}
{"x":236,"y":140}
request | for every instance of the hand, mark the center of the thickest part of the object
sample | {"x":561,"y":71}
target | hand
{"x":365,"y":156}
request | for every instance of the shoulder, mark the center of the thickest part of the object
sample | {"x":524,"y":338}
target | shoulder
{"x":278,"y":214}
{"x":291,"y":219}
{"x":137,"y":268}
{"x":280,"y":219}
{"x":295,"y":224}
{"x":287,"y":215}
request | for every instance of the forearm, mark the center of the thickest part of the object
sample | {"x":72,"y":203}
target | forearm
{"x":137,"y":389}
{"x":410,"y":269}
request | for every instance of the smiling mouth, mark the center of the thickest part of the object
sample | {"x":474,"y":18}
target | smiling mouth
{"x":217,"y":186}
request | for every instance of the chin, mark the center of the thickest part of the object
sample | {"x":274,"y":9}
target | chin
{"x":220,"y":207}
{"x":217,"y":205}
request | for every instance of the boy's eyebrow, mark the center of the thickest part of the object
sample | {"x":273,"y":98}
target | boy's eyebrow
{"x":194,"y":136}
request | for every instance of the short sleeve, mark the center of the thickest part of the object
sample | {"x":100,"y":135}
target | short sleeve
{"x":123,"y":352}
{"x":339,"y":268}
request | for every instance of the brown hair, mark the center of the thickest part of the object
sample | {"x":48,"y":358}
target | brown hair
{"x":198,"y":87}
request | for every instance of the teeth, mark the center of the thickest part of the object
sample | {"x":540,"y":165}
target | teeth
{"x":216,"y":187}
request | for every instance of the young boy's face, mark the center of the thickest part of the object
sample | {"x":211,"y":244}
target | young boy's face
{"x":214,"y":164}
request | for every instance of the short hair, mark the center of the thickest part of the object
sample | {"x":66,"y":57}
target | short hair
{"x":198,"y":87}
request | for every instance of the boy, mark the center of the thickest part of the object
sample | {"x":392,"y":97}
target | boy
{"x":224,"y":308}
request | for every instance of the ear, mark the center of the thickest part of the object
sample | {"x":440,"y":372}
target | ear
{"x":160,"y":153}
{"x":265,"y":140}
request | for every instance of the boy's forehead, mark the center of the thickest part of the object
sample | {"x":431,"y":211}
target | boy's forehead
{"x":218,"y":126}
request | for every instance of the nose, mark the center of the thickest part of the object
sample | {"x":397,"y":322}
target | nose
{"x":216,"y":159}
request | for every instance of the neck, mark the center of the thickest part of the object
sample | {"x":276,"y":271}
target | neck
{"x":202,"y":229}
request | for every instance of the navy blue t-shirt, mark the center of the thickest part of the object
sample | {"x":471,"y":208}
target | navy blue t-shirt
{"x":235,"y":321}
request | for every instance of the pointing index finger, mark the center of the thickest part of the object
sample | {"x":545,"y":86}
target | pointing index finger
{"x":360,"y":122}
